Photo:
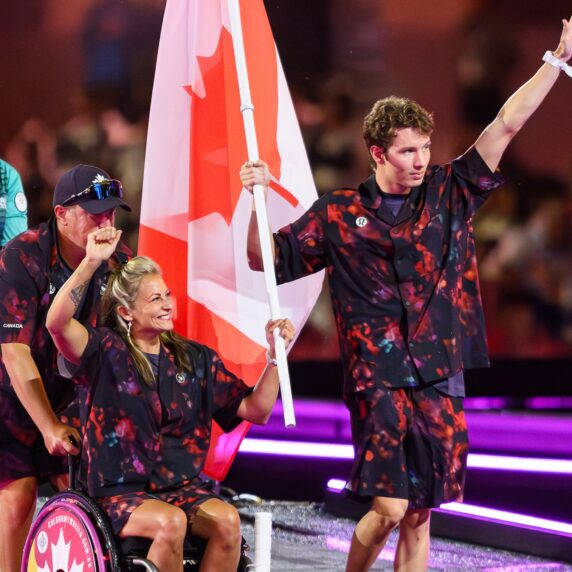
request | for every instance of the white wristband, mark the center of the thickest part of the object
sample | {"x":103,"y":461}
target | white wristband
{"x":270,"y":360}
{"x":551,"y":59}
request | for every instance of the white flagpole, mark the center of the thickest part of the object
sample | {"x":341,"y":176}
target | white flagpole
{"x":247,"y":110}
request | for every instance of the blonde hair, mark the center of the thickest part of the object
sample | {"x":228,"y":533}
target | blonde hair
{"x":122,"y":289}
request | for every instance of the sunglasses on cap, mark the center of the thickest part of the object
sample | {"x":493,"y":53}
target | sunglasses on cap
{"x":97,"y":191}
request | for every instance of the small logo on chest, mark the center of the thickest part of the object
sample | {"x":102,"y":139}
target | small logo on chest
{"x":361,"y":221}
{"x":181,"y":377}
{"x":21,"y":202}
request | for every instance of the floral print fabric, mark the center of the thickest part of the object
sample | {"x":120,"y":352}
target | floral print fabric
{"x":150,"y":437}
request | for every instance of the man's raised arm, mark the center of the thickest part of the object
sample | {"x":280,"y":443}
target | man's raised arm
{"x":493,"y":141}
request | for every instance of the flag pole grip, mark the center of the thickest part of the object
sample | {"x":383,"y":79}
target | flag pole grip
{"x":247,"y":110}
{"x":272,"y":290}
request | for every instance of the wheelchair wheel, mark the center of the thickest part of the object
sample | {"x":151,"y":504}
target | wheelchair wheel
{"x":71,"y":534}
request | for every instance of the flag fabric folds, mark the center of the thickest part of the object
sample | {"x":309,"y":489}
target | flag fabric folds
{"x":195,"y":213}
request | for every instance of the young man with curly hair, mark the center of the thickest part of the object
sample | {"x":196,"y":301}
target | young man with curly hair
{"x":400,"y":257}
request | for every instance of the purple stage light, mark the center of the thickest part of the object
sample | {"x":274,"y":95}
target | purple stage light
{"x":485,"y":403}
{"x":549,"y":402}
{"x":346,"y":452}
{"x":337,"y":485}
{"x":297,"y":449}
{"x":507,"y":517}
{"x":329,"y":409}
{"x":503,"y":433}
{"x":529,"y":465}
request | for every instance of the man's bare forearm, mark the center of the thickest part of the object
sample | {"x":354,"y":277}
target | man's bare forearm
{"x":520,"y":106}
{"x":254,"y":249}
{"x":28,"y":385}
{"x":252,"y":174}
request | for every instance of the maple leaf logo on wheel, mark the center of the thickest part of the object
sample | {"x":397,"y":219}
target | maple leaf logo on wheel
{"x":60,"y":553}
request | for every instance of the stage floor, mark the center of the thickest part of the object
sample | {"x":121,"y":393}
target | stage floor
{"x":305,"y":538}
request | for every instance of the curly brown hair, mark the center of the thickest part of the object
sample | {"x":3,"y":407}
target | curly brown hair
{"x":390,"y":114}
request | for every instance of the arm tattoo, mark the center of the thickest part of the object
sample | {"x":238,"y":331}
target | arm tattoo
{"x":77,"y":293}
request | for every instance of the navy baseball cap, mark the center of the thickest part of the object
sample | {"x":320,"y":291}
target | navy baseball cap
{"x":91,"y":188}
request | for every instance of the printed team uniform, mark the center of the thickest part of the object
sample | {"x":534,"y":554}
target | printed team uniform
{"x":31,"y":272}
{"x":406,"y":299}
{"x":150,"y":440}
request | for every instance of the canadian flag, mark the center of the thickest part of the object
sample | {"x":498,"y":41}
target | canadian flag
{"x":195,"y":213}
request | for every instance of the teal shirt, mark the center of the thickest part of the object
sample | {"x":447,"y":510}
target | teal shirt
{"x":13,"y":202}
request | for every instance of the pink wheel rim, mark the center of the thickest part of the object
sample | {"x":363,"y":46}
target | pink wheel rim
{"x":63,"y":538}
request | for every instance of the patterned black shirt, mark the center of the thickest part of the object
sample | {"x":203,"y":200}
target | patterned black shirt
{"x":405,"y":290}
{"x":31,"y":273}
{"x":150,"y":437}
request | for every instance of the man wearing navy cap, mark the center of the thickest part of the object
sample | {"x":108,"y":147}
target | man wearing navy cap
{"x":34,"y":422}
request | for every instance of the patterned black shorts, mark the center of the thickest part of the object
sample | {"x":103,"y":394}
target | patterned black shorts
{"x":410,"y":444}
{"x":187,"y":497}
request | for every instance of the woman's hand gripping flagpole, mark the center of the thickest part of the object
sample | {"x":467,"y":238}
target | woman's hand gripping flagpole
{"x":247,"y":110}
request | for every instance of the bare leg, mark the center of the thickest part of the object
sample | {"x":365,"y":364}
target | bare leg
{"x":219,"y":523}
{"x":372,"y":532}
{"x":166,"y":525}
{"x":412,"y":554}
{"x":17,"y":505}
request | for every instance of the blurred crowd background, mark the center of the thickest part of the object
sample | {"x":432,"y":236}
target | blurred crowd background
{"x":76,"y":81}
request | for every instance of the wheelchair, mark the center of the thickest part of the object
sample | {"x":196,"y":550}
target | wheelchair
{"x":72,"y":534}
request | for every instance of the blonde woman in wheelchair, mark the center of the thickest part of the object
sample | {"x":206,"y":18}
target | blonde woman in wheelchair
{"x":151,"y":396}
